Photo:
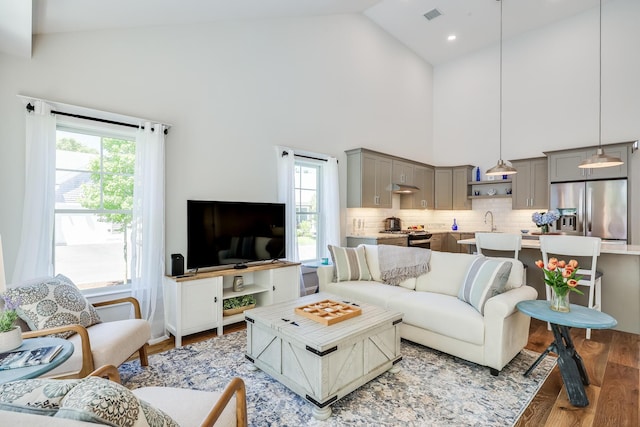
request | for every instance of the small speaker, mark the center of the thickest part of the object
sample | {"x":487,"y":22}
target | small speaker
{"x":177,"y":265}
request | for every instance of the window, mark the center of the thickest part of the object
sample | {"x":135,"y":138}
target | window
{"x":94,"y":196}
{"x":308,"y":224}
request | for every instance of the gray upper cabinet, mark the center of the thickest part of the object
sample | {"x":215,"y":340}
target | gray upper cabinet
{"x":443,"y":188}
{"x":402,"y":172}
{"x":423,"y":178}
{"x":368,"y":179}
{"x":460,"y":187}
{"x":563,"y":165}
{"x":530,"y":184}
{"x":451,"y":189}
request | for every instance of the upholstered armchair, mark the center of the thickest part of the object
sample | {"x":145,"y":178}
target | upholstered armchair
{"x":100,"y":399}
{"x":105,"y":343}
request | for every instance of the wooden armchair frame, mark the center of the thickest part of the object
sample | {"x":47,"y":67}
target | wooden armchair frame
{"x":87,"y":355}
{"x":235,"y":387}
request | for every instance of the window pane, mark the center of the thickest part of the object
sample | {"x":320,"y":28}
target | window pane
{"x":91,"y":250}
{"x":119,"y":156}
{"x":74,"y":190}
{"x":307,"y":236}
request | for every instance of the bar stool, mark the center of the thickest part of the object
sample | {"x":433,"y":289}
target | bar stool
{"x":501,"y":242}
{"x":574,"y":247}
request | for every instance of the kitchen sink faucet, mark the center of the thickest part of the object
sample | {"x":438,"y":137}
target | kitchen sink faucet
{"x":493,"y":227}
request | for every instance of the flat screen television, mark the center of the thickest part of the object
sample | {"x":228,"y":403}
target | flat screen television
{"x":230,"y":234}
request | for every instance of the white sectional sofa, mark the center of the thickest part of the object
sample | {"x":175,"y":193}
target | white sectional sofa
{"x":436,"y":317}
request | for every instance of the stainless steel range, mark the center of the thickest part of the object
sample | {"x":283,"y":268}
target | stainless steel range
{"x":415,"y":238}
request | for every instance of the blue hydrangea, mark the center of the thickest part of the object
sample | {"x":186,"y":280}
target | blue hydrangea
{"x":545,"y":218}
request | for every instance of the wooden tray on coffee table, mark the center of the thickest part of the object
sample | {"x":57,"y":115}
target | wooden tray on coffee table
{"x":328,"y":312}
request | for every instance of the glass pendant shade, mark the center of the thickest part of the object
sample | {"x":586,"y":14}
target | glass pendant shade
{"x":501,"y":169}
{"x":600,"y":160}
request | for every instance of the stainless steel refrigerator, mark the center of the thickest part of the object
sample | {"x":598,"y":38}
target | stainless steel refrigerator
{"x":591,"y":208}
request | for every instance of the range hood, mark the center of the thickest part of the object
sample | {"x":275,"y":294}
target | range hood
{"x":403,"y":189}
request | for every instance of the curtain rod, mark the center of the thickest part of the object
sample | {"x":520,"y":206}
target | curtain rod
{"x":286,"y":153}
{"x":30,"y":108}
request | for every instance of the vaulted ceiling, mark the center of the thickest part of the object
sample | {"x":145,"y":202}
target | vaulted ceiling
{"x":475,"y":23}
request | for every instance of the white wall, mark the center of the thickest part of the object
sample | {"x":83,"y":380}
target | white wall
{"x":550,"y":90}
{"x":550,"y":95}
{"x":232,"y":91}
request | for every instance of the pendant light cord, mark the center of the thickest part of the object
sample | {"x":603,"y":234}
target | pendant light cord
{"x":600,"y":80}
{"x":500,"y":80}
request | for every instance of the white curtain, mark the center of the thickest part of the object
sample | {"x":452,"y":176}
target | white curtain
{"x":286,"y":164}
{"x":147,"y":231}
{"x":35,"y":254}
{"x":331,"y":205}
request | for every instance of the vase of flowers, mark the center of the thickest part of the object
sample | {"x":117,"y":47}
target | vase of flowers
{"x":10,"y":333}
{"x":543,"y":219}
{"x":561,"y":277}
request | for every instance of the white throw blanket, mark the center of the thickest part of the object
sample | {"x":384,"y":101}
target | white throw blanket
{"x":399,"y":263}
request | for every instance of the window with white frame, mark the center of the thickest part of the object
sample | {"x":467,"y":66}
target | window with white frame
{"x":93,"y":206}
{"x":308,"y":176}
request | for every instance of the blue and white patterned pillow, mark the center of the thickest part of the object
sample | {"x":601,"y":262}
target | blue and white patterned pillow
{"x":53,"y":302}
{"x":485,"y":278}
{"x":101,"y":401}
{"x":35,"y":396}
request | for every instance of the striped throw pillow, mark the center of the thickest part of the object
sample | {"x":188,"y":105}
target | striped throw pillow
{"x":485,"y":278}
{"x":350,"y":263}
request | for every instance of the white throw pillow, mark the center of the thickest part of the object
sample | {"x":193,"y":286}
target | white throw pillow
{"x":484,"y":279}
{"x":350,"y":263}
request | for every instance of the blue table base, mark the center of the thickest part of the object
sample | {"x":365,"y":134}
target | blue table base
{"x":570,"y":364}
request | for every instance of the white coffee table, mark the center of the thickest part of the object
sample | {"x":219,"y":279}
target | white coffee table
{"x":322,"y":363}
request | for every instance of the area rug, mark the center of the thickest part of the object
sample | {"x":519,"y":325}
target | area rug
{"x":431,"y":389}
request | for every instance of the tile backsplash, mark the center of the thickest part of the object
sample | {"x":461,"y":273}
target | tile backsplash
{"x":365,"y":221}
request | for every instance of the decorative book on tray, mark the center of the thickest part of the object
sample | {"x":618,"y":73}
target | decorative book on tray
{"x":328,"y":312}
{"x":35,"y":356}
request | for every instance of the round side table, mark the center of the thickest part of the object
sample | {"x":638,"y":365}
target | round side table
{"x":574,"y":374}
{"x":8,"y":375}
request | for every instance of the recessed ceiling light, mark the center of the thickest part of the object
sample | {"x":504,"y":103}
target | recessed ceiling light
{"x":451,"y":38}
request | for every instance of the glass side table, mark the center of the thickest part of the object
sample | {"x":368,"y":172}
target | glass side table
{"x":8,"y":375}
{"x":574,"y":374}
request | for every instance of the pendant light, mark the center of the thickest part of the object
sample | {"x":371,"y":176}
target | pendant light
{"x":501,"y":168}
{"x":600,"y":159}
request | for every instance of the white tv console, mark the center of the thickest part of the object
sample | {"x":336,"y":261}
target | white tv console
{"x":194,"y":303}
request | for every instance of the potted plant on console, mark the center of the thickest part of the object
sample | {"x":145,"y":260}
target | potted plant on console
{"x":237,"y":305}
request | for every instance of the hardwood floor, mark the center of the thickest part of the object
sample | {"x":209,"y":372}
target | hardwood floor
{"x":612,"y":360}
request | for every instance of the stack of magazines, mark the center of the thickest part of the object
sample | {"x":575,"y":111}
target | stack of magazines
{"x":32,"y":357}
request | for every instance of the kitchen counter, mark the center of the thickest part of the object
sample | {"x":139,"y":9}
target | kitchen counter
{"x":606,"y":248}
{"x":620,"y":266}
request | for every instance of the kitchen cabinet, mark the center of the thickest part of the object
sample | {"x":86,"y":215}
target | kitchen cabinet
{"x":368,"y":179}
{"x":461,"y":192}
{"x":448,"y":242}
{"x":353,"y":242}
{"x":563,"y":165}
{"x":437,"y":241}
{"x":423,"y":198}
{"x":443,"y":188}
{"x":195,"y":303}
{"x":402,"y":172}
{"x":530,"y":184}
{"x":451,"y":187}
{"x":452,"y":242}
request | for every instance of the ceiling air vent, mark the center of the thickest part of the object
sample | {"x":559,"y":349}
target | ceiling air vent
{"x":432,"y":14}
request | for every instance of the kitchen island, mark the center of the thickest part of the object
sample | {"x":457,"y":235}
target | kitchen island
{"x":620,"y":265}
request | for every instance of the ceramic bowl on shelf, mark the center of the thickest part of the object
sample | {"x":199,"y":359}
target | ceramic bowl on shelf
{"x":524,"y":231}
{"x":491,"y":192}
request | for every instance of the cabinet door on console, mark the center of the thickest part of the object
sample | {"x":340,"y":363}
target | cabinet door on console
{"x":200,"y":304}
{"x":285,"y":283}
